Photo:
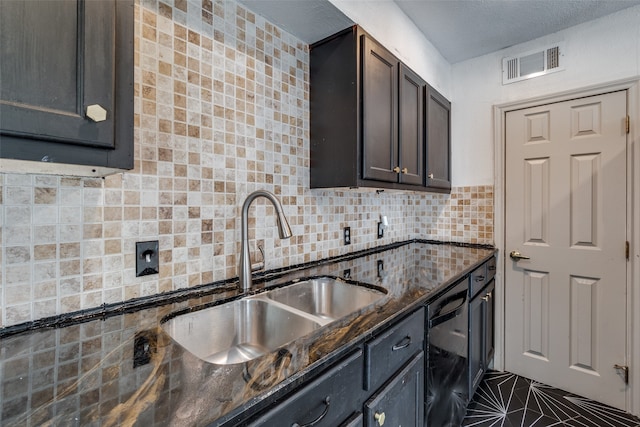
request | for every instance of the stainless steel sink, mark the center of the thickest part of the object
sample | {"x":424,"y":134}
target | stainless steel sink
{"x":245,"y":329}
{"x":325,"y":298}
{"x":238,"y":331}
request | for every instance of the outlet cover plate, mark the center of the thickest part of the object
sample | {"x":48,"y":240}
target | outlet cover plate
{"x":147,"y":258}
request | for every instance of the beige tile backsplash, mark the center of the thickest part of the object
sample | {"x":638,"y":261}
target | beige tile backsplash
{"x":221,"y":110}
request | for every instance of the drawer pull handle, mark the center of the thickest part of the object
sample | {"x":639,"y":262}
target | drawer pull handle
{"x":479,"y":278}
{"x":403,"y":343}
{"x":327,"y":402}
{"x":379,"y":418}
{"x":492,"y":268}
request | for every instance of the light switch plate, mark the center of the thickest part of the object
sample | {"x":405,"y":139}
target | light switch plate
{"x":147,"y":258}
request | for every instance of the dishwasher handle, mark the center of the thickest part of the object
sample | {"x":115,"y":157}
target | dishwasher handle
{"x":441,"y":318}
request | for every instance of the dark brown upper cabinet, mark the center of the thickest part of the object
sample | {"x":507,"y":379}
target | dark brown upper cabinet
{"x":66,"y":92}
{"x":438,"y":142}
{"x":367,"y":116}
{"x":379,"y":112}
{"x":411,"y":130}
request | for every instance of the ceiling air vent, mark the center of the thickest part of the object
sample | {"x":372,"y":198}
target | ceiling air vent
{"x":532,"y":64}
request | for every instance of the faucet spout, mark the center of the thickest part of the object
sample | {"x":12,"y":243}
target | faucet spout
{"x":284,"y":232}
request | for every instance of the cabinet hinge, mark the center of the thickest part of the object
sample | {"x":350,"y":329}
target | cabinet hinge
{"x":626,"y":250}
{"x":624,"y":371}
{"x":627,"y":123}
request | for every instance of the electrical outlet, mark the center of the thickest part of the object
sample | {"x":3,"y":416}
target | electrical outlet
{"x":144,"y":346}
{"x":347,"y":235}
{"x":380,"y":268}
{"x":380,"y":230}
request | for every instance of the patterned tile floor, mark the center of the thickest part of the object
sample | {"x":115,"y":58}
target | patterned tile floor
{"x":507,"y":400}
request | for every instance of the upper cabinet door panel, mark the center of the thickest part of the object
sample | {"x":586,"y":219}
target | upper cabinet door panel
{"x":379,"y":112}
{"x":66,"y":86}
{"x":57,"y":60}
{"x":411,"y":136}
{"x":438,"y":141}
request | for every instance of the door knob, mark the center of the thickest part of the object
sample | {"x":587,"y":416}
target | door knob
{"x":430,"y":176}
{"x":517,"y":256}
{"x":96,"y":113}
{"x":396,"y":169}
{"x":379,"y":417}
{"x":405,"y":170}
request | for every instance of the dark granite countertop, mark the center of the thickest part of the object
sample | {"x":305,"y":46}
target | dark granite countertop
{"x":84,"y":374}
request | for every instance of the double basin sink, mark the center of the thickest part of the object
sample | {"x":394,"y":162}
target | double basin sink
{"x":247,"y":328}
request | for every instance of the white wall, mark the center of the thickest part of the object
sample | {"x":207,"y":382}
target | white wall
{"x":389,"y":25}
{"x":597,"y":52}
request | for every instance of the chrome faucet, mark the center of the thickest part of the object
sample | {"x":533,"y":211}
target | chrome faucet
{"x":283,"y":229}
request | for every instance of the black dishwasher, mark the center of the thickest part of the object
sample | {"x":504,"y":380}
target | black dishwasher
{"x":447,"y":373}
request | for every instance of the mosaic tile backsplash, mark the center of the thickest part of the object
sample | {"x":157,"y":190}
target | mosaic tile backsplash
{"x":221,"y":110}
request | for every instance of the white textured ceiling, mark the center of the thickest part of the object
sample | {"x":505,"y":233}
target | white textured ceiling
{"x":459,"y":29}
{"x":309,"y":20}
{"x":463,"y":29}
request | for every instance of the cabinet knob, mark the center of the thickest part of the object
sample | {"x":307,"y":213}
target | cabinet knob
{"x":379,"y":418}
{"x":405,"y":170}
{"x":396,"y":169}
{"x":430,"y":176}
{"x":96,"y":113}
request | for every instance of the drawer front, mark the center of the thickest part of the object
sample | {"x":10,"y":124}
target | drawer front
{"x":478,"y":280}
{"x":491,"y":268}
{"x":401,"y":401}
{"x":387,"y":353}
{"x":326,"y":401}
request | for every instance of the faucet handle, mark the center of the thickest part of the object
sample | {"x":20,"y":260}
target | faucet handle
{"x":260,"y":264}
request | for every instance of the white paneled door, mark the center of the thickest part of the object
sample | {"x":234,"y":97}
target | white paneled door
{"x":565,"y":283}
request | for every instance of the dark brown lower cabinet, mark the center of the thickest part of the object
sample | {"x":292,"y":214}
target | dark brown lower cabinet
{"x":385,"y":381}
{"x":400,"y":402}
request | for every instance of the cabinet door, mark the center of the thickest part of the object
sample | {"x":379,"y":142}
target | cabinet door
{"x":489,"y":319}
{"x":476,"y":343}
{"x":379,"y":112}
{"x":411,"y":120}
{"x":481,"y":335}
{"x":58,"y":66}
{"x":400,"y":402}
{"x":438,"y":141}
